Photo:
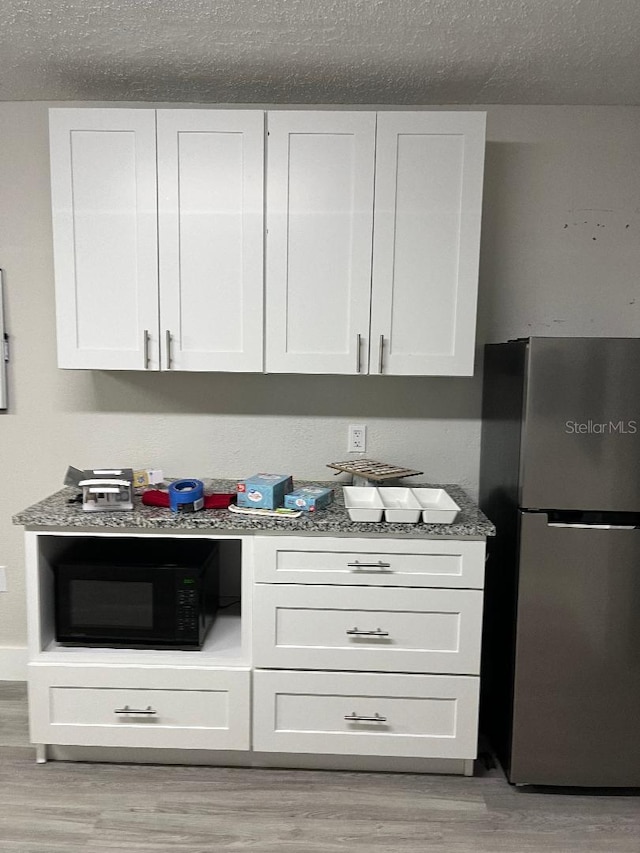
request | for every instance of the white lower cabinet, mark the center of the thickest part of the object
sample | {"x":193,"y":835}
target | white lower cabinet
{"x":419,"y":716}
{"x":367,"y":647}
{"x":95,"y":705}
{"x":337,"y":652}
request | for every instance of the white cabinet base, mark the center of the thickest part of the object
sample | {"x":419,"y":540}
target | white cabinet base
{"x":228,"y":758}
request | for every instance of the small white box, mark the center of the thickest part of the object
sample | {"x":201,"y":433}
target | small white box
{"x":363,"y":503}
{"x":437,"y":506}
{"x":400,"y":504}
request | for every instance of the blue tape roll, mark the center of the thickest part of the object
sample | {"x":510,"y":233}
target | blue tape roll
{"x":186,"y":495}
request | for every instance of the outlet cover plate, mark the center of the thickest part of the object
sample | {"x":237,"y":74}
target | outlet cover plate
{"x":357,"y":438}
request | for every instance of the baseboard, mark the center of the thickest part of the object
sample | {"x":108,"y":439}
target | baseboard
{"x":248,"y":758}
{"x":13,"y":663}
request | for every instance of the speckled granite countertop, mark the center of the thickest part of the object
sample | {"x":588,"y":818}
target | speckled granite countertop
{"x":56,"y":512}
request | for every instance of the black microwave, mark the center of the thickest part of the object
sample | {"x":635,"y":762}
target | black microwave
{"x":136,"y":593}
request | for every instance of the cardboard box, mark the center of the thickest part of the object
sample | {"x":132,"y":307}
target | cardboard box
{"x":309,"y":498}
{"x":264,"y":491}
{"x":145,"y":477}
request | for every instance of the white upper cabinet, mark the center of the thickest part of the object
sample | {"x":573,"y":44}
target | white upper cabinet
{"x":158,"y":255}
{"x":414,"y":311}
{"x":211,"y":225}
{"x":320,"y":168}
{"x":372,"y":231}
{"x":426,"y":244}
{"x":103,"y":187}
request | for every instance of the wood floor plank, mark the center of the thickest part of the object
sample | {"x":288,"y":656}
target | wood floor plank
{"x":14,"y":728}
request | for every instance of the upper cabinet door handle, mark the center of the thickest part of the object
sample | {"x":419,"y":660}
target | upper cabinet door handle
{"x":146,"y":349}
{"x":358,"y":347}
{"x":381,"y":354}
{"x":168,"y":340}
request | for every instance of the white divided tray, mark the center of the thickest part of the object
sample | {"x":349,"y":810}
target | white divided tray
{"x":404,"y":505}
{"x":363,"y":503}
{"x":437,"y":506}
{"x":400,"y":504}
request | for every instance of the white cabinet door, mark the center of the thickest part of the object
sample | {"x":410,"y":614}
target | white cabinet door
{"x":211,"y":219}
{"x":319,"y":230}
{"x":103,"y":187}
{"x":428,"y":198}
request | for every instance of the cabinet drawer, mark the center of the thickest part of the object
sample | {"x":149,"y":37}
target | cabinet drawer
{"x":422,"y":716}
{"x":370,"y":562}
{"x":367,"y":628}
{"x":100,"y":706}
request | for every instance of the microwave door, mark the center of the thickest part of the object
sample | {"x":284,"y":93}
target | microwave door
{"x":117,"y":607}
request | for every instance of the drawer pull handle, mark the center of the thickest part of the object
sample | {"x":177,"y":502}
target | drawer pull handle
{"x":359,"y":718}
{"x":379,"y":566}
{"x":356,"y":632}
{"x":147,"y":712}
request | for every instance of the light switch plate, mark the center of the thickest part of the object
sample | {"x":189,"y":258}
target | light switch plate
{"x":3,"y":579}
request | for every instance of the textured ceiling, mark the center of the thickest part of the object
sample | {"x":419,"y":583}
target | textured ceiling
{"x":322,"y":51}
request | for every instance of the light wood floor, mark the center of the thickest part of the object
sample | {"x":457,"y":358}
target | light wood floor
{"x":67,"y":808}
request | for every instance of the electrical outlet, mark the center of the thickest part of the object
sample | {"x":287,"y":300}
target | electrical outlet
{"x":357,"y":438}
{"x":3,"y":579}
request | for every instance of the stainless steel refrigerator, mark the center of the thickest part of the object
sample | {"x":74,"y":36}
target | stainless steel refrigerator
{"x":560,"y":478}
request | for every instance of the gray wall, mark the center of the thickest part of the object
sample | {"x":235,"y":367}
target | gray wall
{"x":560,"y":255}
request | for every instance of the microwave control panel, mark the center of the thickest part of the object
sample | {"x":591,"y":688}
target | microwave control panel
{"x":186,"y":615}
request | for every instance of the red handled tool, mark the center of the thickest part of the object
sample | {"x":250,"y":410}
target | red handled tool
{"x":217,"y":500}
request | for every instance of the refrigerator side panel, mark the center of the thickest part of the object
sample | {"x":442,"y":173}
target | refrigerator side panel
{"x":503,"y":394}
{"x":3,"y":351}
{"x":581,"y":440}
{"x":577,"y":673}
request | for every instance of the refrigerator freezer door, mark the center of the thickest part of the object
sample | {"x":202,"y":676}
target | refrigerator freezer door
{"x":576,"y":718}
{"x":581,"y":434}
